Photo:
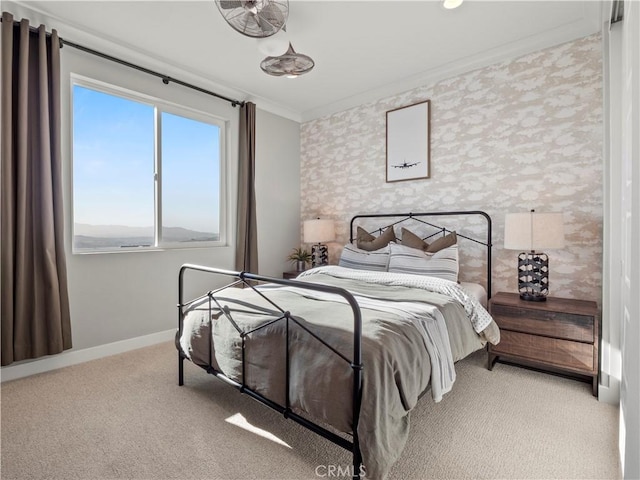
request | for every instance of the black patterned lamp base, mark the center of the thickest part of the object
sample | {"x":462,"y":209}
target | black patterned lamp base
{"x":533,"y":276}
{"x":319,"y":255}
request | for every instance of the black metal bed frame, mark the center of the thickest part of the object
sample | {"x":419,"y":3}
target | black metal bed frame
{"x":403,"y":217}
{"x":244,"y":279}
{"x":247,"y":280}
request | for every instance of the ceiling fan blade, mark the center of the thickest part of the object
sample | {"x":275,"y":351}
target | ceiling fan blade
{"x":270,"y":19}
{"x":255,"y":18}
{"x":251,"y":24}
{"x":227,"y":4}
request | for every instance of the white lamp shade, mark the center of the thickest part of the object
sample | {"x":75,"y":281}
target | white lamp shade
{"x":318,"y":231}
{"x":533,"y":231}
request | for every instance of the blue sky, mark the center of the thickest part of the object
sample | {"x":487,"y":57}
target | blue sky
{"x":113,"y":165}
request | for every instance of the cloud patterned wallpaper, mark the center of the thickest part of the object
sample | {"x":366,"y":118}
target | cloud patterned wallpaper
{"x":514,"y":136}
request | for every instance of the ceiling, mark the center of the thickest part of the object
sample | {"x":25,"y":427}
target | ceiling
{"x":363,"y":50}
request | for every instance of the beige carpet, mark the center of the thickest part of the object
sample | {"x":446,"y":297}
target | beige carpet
{"x":125,"y":417}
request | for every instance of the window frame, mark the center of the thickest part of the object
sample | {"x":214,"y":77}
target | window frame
{"x":160,"y":106}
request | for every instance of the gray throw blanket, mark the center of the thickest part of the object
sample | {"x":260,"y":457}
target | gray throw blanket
{"x":397,"y":365}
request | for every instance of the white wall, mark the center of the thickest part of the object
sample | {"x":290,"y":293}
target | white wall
{"x":277,"y":190}
{"x":629,"y":191}
{"x":116,"y":297}
{"x":610,"y":361}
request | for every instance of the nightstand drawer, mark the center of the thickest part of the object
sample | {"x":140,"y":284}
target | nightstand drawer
{"x":558,"y":335}
{"x":568,"y":326}
{"x":550,"y":351}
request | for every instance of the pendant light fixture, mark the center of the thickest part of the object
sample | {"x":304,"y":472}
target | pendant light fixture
{"x":291,"y":64}
{"x":266,"y":21}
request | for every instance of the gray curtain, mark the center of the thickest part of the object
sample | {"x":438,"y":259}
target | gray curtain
{"x":35,"y":306}
{"x":247,"y":235}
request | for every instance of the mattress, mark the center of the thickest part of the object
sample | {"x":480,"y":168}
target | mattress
{"x":477,"y":291}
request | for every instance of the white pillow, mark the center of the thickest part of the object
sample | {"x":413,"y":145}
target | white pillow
{"x":353,"y":257}
{"x":442,"y":264}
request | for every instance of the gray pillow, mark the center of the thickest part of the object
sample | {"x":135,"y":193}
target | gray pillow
{"x":353,"y":257}
{"x":442,"y":264}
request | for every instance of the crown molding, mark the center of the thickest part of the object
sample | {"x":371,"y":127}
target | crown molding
{"x":116,"y":48}
{"x":588,"y":25}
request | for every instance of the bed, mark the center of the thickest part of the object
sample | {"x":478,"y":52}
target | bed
{"x":347,"y":350}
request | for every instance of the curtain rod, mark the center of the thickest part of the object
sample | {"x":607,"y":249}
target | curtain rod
{"x":165,"y":78}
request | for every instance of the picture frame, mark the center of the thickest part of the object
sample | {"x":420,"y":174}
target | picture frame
{"x":408,"y":142}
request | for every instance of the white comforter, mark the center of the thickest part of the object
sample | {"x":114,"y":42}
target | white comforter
{"x":479,"y":317}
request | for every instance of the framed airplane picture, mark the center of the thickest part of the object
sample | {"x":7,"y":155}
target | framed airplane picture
{"x":408,"y":142}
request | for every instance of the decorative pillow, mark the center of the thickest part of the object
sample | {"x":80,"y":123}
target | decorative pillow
{"x":353,"y":257}
{"x":410,"y":239}
{"x":442,"y":264}
{"x":443,"y":242}
{"x":368,"y":242}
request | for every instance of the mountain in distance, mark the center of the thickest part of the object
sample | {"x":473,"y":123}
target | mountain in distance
{"x":179,"y":234}
{"x":111,"y":231}
{"x":121,"y":236}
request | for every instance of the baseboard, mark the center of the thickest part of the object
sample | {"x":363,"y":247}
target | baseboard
{"x":610,"y":394}
{"x":73,"y":357}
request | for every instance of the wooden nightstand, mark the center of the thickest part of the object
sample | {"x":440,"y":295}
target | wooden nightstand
{"x":291,"y":274}
{"x":560,"y":335}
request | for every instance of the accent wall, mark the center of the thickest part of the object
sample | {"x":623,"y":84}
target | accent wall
{"x":514,"y":136}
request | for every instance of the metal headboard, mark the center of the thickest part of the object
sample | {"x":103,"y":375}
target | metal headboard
{"x":418,"y":217}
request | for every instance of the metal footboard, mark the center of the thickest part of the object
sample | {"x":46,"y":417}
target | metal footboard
{"x":247,"y":280}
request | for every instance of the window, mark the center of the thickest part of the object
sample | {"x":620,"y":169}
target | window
{"x":146,"y":174}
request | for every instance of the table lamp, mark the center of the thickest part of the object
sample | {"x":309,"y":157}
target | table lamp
{"x":533,"y":232}
{"x":315,"y":232}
